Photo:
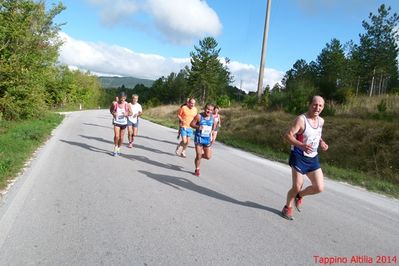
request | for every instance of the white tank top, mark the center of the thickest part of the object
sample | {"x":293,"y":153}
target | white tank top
{"x":120,"y":118}
{"x":311,"y":135}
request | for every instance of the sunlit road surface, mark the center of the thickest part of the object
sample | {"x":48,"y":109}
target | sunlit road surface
{"x":78,"y":205}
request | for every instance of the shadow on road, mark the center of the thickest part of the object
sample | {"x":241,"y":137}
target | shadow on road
{"x":127,"y":156}
{"x":98,"y":139}
{"x":85,"y":146}
{"x":137,"y":146}
{"x":175,"y":182}
{"x":108,"y":117}
{"x":95,"y":125}
{"x":178,"y":183}
{"x":160,"y":140}
{"x":155,"y":163}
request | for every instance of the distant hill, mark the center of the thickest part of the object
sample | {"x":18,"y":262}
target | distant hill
{"x":128,"y":82}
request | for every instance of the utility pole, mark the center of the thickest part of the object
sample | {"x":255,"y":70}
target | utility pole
{"x":264,"y":48}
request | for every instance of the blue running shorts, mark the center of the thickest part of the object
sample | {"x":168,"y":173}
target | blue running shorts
{"x":130,"y":123}
{"x":186,"y":132}
{"x":304,"y":164}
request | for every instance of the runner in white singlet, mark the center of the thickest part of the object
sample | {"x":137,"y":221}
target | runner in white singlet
{"x":120,"y":112}
{"x":305,"y":138}
{"x":135,"y":111}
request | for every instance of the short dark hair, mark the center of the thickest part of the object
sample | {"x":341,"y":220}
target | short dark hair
{"x":209,"y":105}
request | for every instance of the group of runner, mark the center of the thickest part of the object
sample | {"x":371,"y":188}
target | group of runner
{"x":125,"y":115}
{"x":206,"y":125}
{"x":305,"y":137}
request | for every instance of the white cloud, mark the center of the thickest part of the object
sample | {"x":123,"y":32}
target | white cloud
{"x":246,"y":76}
{"x":116,"y":60}
{"x":178,"y":21}
{"x":184,"y":20}
{"x":115,"y":11}
{"x":109,"y":60}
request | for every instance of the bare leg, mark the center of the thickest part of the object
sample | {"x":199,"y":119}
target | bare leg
{"x":116,"y":135}
{"x":297,"y":182}
{"x":130,"y":133}
{"x":122,"y":134}
{"x":198,"y":152}
{"x":184,"y":143}
{"x":134,"y":134}
{"x":316,"y":178}
{"x":214,"y":135}
{"x":207,"y":154}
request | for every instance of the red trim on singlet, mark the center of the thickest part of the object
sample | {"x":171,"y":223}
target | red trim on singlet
{"x":125,"y":106}
{"x":299,"y":137}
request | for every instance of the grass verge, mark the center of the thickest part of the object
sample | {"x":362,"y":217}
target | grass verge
{"x":18,"y":140}
{"x":354,"y":145}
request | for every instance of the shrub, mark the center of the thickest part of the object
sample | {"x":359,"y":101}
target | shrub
{"x":329,"y":109}
{"x":250,"y":101}
{"x":153,"y":102}
{"x":382,"y":106}
{"x":223,"y":101}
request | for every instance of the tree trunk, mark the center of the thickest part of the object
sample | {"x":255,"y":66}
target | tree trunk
{"x":372,"y":84}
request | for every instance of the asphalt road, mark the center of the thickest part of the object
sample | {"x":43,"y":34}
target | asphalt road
{"x":77,"y":205}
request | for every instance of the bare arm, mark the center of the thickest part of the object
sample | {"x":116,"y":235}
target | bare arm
{"x":130,"y":109}
{"x":297,"y":127}
{"x":323,"y":145}
{"x":179,"y":115}
{"x":112,"y":108}
{"x":194,"y":123}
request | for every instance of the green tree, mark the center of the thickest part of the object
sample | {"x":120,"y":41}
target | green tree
{"x":332,"y":66}
{"x":28,"y":50}
{"x":378,"y":52}
{"x":207,"y":77}
{"x":181,"y":89}
{"x":299,"y":84}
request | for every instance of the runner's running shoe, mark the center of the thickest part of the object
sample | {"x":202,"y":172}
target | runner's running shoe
{"x":183,"y":154}
{"x":298,"y":202}
{"x":130,"y":145}
{"x":197,"y":172}
{"x":287,"y":213}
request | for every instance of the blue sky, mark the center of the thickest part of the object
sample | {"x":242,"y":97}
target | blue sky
{"x":151,"y":38}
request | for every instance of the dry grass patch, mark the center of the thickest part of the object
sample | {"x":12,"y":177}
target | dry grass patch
{"x":361,"y":151}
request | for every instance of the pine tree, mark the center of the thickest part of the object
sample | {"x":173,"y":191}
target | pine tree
{"x":378,"y":52}
{"x":331,"y":68}
{"x":207,"y":77}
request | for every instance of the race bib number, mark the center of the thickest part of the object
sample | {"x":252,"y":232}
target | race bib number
{"x":206,"y":131}
{"x":120,"y":119}
{"x":315,"y":144}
